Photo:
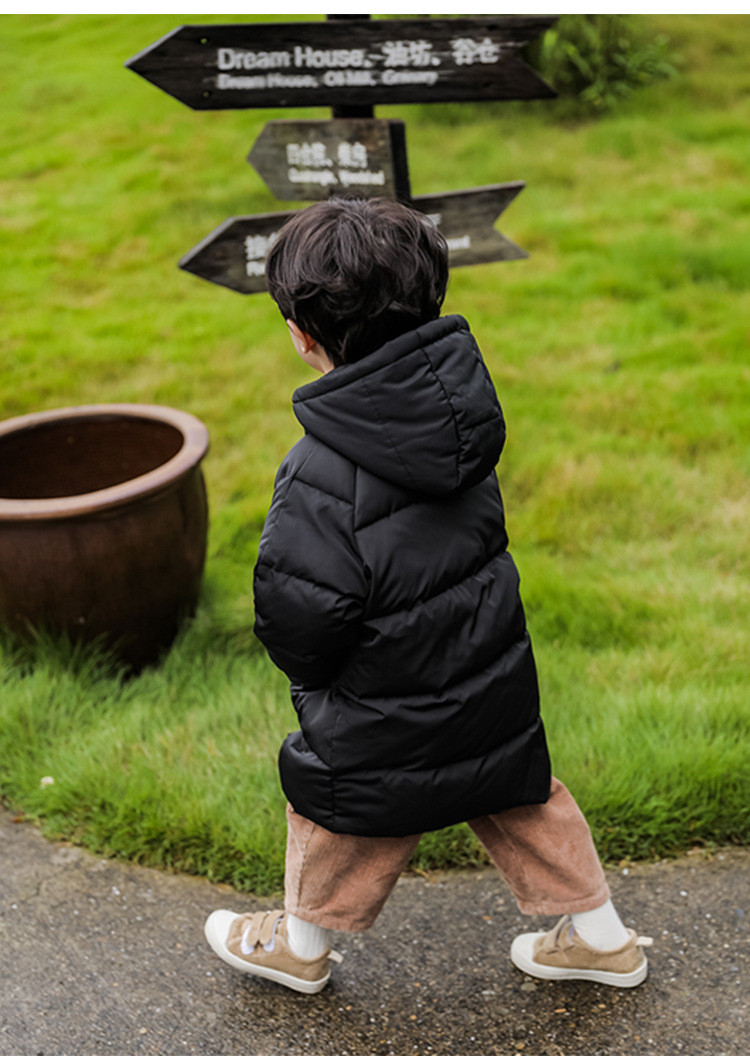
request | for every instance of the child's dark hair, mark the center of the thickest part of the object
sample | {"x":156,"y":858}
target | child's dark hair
{"x":357,"y":272}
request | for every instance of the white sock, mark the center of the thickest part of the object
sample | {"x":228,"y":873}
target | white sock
{"x":601,"y":927}
{"x":306,"y":940}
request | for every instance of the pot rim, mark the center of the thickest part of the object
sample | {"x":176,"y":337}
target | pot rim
{"x":195,"y":441}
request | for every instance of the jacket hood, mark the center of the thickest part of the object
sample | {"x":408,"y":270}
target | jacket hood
{"x":421,"y":411}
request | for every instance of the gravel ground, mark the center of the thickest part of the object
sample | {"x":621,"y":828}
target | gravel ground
{"x":102,"y":957}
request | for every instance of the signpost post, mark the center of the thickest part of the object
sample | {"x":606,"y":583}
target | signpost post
{"x":349,"y":63}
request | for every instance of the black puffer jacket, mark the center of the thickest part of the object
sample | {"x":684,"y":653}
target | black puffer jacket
{"x":384,"y":590}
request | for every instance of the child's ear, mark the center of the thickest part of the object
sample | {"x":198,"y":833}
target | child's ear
{"x":308,"y":349}
{"x":302,"y":341}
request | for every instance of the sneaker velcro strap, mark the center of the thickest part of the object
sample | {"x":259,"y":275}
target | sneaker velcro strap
{"x":268,"y":926}
{"x":559,"y":937}
{"x":251,"y":931}
{"x":260,"y":927}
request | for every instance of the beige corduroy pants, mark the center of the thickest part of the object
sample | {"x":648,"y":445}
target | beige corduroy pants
{"x":544,"y":852}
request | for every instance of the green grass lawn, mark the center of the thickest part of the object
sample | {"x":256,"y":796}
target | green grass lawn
{"x":620,"y":354}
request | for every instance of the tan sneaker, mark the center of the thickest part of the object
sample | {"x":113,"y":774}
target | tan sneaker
{"x":257,"y":943}
{"x":562,"y":954}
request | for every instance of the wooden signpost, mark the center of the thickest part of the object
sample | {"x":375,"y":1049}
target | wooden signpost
{"x":348,"y":63}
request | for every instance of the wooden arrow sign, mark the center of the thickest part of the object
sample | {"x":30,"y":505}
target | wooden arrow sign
{"x":234,"y":254}
{"x":354,"y":62}
{"x":310,"y":160}
{"x":466,"y":219}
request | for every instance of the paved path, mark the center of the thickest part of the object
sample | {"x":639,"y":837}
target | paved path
{"x":100,"y":957}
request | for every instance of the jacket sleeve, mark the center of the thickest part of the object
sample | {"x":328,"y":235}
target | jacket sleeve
{"x":310,"y":584}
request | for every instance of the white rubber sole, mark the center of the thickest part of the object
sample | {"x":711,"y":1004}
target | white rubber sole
{"x":216,"y":930}
{"x":522,"y":951}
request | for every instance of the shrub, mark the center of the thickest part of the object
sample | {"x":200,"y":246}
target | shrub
{"x":594,"y":61}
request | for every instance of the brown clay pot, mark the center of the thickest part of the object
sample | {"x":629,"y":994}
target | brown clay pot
{"x":103,"y":524}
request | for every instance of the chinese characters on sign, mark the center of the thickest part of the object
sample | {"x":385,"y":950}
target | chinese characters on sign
{"x":396,"y":62}
{"x":308,"y":160}
{"x":257,"y":248}
{"x":310,"y":163}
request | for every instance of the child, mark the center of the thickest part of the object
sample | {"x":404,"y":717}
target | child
{"x":384,"y":590}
